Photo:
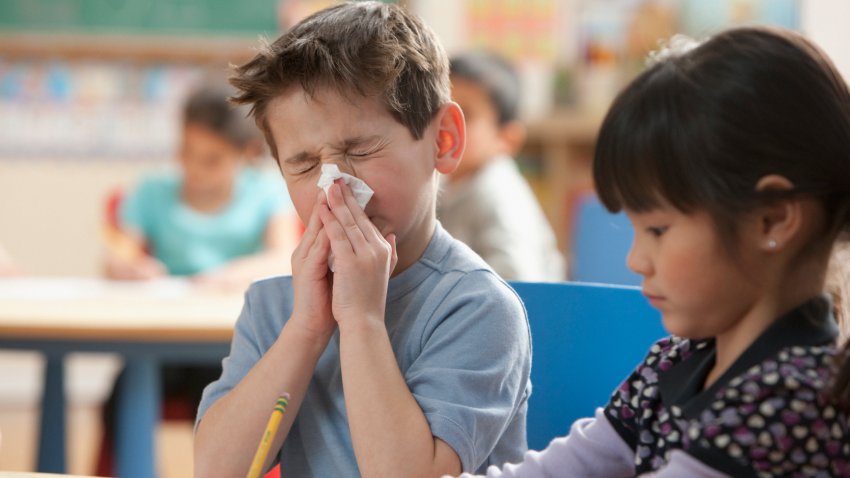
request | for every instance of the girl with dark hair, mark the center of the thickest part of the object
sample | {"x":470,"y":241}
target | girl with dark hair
{"x":732,"y":160}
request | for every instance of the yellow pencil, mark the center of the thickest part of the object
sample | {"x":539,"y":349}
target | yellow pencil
{"x":268,"y":436}
{"x":123,"y":246}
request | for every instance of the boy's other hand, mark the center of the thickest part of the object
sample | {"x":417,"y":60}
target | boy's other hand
{"x":364,"y":259}
{"x":310,"y":278}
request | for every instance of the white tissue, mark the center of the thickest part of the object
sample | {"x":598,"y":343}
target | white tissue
{"x":330,"y":173}
{"x":362,"y":192}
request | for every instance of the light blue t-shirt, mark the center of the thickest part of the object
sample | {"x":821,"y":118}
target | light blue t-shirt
{"x":188,"y":241}
{"x":462,"y":342}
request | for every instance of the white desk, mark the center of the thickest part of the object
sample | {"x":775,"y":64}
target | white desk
{"x":148,"y":324}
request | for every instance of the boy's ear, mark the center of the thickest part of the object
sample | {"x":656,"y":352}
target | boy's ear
{"x":451,"y":137}
{"x":780,"y":221}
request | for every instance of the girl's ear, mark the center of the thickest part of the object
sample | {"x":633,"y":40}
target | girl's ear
{"x":451,"y":137}
{"x":780,"y":221}
{"x":513,"y":136}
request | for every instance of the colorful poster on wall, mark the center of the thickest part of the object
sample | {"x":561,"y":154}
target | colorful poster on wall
{"x":516,"y":29}
{"x":700,"y":18}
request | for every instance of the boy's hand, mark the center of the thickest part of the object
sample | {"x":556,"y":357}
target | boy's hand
{"x":363,"y":260}
{"x":310,"y":278}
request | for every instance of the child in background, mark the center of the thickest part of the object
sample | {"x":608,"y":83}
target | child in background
{"x":732,"y":160}
{"x":485,"y":202}
{"x":218,"y":220}
{"x":412,"y":357}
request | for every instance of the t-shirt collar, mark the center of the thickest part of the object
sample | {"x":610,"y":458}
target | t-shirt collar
{"x":437,"y":247}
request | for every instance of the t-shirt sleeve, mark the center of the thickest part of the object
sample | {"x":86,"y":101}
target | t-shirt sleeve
{"x":135,"y":211}
{"x":591,"y":449}
{"x":638,"y":391}
{"x":244,"y":353}
{"x":681,"y":464}
{"x":472,"y":376}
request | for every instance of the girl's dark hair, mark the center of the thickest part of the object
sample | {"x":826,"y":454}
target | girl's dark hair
{"x":209,"y":106}
{"x":697,"y":130}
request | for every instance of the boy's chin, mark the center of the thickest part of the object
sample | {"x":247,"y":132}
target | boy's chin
{"x":382,"y":226}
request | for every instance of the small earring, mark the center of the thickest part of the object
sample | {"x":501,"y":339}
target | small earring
{"x":771,"y":243}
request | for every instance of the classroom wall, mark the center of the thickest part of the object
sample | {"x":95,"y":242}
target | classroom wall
{"x":51,"y":211}
{"x":826,"y":23}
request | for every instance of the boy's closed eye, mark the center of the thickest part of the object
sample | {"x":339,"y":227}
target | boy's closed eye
{"x":358,"y":154}
{"x":364,"y":148}
{"x":301,"y":163}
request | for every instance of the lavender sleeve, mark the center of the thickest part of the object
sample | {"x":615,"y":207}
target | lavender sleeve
{"x":593,"y":448}
{"x":682,"y":464}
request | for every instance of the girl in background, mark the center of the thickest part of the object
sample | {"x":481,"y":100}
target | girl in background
{"x":217,"y":219}
{"x":732,"y":161}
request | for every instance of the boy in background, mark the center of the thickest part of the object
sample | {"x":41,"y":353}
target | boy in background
{"x":485,"y":202}
{"x":412,"y":357}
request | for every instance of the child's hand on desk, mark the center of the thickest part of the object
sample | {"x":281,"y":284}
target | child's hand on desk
{"x":310,"y":278}
{"x":126,"y":258}
{"x":364,"y":258}
{"x":143,"y":267}
{"x":224,"y":279}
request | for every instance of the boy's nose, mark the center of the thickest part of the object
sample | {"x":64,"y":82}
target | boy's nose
{"x":343,"y":164}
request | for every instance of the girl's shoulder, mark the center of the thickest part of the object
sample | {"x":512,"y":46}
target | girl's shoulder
{"x":792,"y":368}
{"x":668,"y":351}
{"x":775,"y":417}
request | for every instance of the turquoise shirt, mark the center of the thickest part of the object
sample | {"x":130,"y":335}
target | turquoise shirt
{"x":188,"y":241}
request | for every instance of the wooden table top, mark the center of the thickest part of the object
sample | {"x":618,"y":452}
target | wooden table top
{"x":76,"y":308}
{"x":23,"y":474}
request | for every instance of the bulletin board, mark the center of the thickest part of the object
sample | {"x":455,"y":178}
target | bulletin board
{"x":514,"y":28}
{"x":184,"y":17}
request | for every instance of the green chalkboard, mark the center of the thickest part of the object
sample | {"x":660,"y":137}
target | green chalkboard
{"x":181,"y":17}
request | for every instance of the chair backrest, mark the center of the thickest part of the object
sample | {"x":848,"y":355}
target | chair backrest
{"x":600,"y":244}
{"x":586,"y":339}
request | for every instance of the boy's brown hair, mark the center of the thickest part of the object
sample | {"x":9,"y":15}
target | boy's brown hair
{"x":365,"y":48}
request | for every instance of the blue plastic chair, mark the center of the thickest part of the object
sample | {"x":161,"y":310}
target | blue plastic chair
{"x":586,"y":339}
{"x":600,"y":244}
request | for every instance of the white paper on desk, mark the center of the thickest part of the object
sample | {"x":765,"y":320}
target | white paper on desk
{"x":71,"y":288}
{"x":362,"y":192}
